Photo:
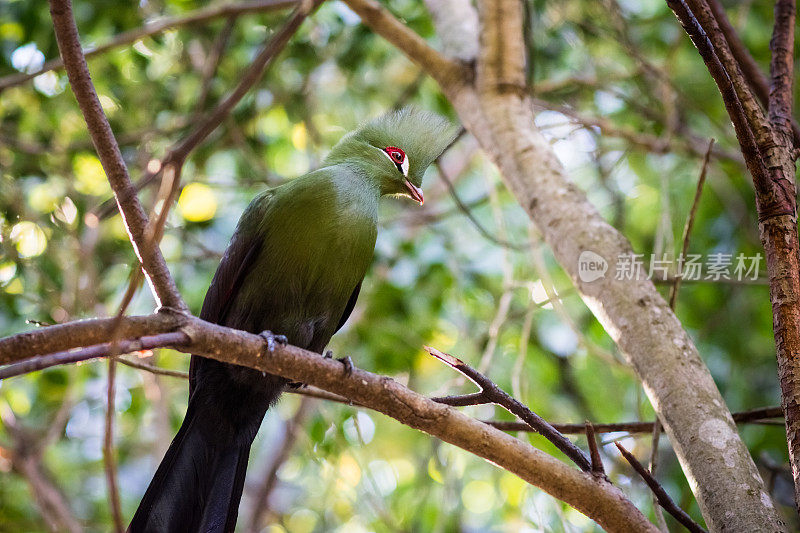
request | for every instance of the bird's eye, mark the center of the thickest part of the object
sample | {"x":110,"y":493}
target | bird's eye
{"x":396,"y":154}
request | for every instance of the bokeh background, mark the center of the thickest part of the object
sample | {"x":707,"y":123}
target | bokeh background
{"x":629,"y":108}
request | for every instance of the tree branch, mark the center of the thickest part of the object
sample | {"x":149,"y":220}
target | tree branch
{"x":161,"y":283}
{"x":782,"y":67}
{"x":755,"y":115}
{"x":743,"y":417}
{"x":597,"y":499}
{"x":149,"y":342}
{"x":752,"y":72}
{"x":79,"y":333}
{"x":744,"y":133}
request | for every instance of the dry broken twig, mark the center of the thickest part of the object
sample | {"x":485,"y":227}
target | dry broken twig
{"x":663,"y":498}
{"x":491,"y":393}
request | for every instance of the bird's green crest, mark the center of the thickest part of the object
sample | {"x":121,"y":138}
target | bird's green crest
{"x":422,"y":136}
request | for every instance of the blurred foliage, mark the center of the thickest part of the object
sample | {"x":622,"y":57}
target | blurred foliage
{"x":435,"y":279}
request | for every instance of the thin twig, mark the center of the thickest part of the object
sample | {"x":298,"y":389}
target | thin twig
{"x":491,"y":393}
{"x":212,"y":62}
{"x":663,"y":498}
{"x":269,"y":478}
{"x":594,"y":452}
{"x":152,"y":28}
{"x":687,"y":228}
{"x":662,"y":525}
{"x":153,"y":369}
{"x":651,"y":143}
{"x":109,"y":462}
{"x":742,"y":417}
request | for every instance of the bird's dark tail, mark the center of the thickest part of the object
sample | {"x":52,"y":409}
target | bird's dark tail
{"x":199,"y":483}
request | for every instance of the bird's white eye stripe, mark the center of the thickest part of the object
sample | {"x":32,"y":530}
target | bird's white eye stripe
{"x":404,"y":167}
{"x":387,"y":156}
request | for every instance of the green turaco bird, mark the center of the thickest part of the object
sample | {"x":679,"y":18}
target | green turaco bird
{"x":293,"y":267}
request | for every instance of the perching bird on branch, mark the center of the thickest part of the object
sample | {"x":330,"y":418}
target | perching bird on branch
{"x":292,"y":270}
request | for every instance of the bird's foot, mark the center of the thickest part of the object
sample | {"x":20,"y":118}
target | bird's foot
{"x":346,"y":361}
{"x":348,"y":365}
{"x":271,"y":339}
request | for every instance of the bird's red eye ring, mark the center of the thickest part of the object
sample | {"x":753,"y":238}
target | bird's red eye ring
{"x":396,"y":154}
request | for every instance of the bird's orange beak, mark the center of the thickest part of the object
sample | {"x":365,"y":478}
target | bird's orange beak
{"x":415,"y":192}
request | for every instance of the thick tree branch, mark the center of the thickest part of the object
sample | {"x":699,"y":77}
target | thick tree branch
{"x":779,"y":234}
{"x":443,"y":70}
{"x":161,"y":283}
{"x":598,"y":499}
{"x":152,"y":28}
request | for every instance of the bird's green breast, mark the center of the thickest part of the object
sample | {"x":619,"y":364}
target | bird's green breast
{"x":317,"y":237}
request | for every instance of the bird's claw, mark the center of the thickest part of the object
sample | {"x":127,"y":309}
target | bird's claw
{"x":271,"y":339}
{"x":348,"y":365}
